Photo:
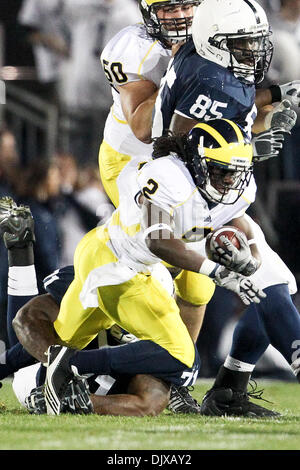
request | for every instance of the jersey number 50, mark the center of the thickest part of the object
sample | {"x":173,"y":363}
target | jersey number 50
{"x":114,"y":71}
{"x":206,"y":108}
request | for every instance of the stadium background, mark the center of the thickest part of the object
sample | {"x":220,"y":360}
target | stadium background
{"x":51,"y":128}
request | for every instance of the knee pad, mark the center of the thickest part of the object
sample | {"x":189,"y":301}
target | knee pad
{"x":194,"y":288}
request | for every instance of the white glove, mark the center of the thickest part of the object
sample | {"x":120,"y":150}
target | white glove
{"x":291,"y":91}
{"x":282,"y":116}
{"x":243,"y":287}
{"x":268,"y":143}
{"x":241,"y":261}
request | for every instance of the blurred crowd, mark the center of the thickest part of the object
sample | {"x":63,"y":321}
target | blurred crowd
{"x":64,"y":192}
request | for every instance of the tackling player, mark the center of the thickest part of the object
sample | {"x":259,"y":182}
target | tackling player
{"x":134,"y":62}
{"x":121,"y":394}
{"x":113,"y":263}
{"x":215,"y":75}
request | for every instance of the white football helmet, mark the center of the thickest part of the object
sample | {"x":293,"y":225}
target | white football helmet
{"x":166,"y":30}
{"x":234,"y":34}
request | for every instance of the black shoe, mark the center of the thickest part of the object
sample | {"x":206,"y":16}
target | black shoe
{"x":76,"y":400}
{"x":228,"y":402}
{"x":16,"y":224}
{"x":182,"y":402}
{"x":59,"y":374}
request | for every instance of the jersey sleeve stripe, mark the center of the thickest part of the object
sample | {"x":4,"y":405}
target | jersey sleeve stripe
{"x":145,"y":57}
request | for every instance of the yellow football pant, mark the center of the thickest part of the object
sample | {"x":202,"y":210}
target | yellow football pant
{"x":141,"y":305}
{"x":194,"y":288}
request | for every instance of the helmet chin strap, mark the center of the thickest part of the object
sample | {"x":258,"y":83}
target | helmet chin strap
{"x":213,"y":194}
{"x":246,"y":72}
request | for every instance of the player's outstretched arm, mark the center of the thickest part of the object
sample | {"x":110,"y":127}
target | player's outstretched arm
{"x":138,"y":99}
{"x":146,"y":396}
{"x":33,"y":325}
{"x":277,"y":93}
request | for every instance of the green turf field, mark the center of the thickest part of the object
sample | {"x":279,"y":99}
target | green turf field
{"x":19,"y":430}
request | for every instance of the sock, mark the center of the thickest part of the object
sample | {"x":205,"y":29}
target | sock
{"x":141,"y":357}
{"x":91,"y":361}
{"x":238,"y":366}
{"x":22,"y":286}
{"x":233,"y":379}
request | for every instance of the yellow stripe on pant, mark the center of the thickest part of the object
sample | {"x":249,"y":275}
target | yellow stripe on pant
{"x":141,"y":305}
{"x":191,"y":287}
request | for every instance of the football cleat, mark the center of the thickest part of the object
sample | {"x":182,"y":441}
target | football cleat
{"x":76,"y":401}
{"x":228,"y":402}
{"x":16,"y":223}
{"x":58,"y":376}
{"x":182,"y":402}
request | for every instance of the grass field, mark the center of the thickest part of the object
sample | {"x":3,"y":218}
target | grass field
{"x":21,"y":431}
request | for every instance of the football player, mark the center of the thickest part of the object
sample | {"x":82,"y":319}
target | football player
{"x":215,"y":75}
{"x":140,"y":394}
{"x":134,"y":62}
{"x":113,"y":264}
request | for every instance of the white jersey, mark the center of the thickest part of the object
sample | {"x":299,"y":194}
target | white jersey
{"x":130,"y":56}
{"x":169,"y":186}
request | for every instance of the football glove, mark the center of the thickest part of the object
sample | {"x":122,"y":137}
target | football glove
{"x":291,"y":91}
{"x":35,"y":402}
{"x":281,"y":116}
{"x":267,"y":144}
{"x":240,"y":261}
{"x":76,"y":401}
{"x":235,"y":282}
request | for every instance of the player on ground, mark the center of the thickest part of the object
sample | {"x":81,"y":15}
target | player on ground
{"x":113,"y":267}
{"x":115,"y":395}
{"x":215,"y":74}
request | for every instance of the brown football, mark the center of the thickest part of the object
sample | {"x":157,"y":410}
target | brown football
{"x":228,"y":232}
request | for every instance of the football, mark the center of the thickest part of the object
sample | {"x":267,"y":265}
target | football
{"x":228,"y":232}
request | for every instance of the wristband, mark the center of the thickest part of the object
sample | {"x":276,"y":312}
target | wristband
{"x":252,"y":242}
{"x":208,"y":268}
{"x":275,"y":93}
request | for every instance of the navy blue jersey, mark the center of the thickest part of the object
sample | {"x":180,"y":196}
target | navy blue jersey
{"x":58,"y":282}
{"x":197,"y":88}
